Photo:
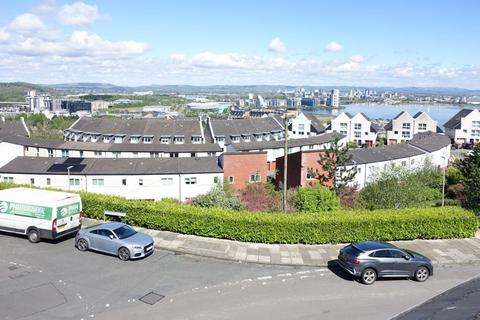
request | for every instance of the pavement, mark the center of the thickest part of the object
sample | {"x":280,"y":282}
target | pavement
{"x":441,"y":252}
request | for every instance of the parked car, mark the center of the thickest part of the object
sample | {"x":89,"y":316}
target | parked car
{"x":115,"y":238}
{"x":370,"y":260}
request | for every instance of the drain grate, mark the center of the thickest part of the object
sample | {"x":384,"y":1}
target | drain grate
{"x":151,"y":298}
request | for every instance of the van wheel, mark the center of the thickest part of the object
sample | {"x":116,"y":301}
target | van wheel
{"x":124,"y":254}
{"x":33,"y":236}
{"x":82,"y":245}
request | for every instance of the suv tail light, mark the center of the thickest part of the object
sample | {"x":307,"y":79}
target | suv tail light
{"x":54,"y":224}
{"x":355,"y":261}
{"x":81,"y":216}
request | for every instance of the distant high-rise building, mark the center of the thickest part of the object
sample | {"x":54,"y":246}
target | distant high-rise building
{"x":39,"y":102}
{"x":335,"y":98}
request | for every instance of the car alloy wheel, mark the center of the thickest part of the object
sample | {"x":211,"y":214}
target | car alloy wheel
{"x":422,"y":274}
{"x":82,"y":245}
{"x":368,"y":276}
{"x":124,"y":254}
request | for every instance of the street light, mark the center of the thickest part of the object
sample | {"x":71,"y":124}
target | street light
{"x":285,"y":160}
{"x":443,"y":183}
{"x":68,"y":172}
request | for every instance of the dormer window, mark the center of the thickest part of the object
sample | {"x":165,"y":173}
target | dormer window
{"x":196,"y":139}
{"x":165,"y":139}
{"x":235,"y":139}
{"x":135,"y":139}
{"x":257,"y":136}
{"x":85,"y":137}
{"x":107,"y":138}
{"x":220,"y":138}
{"x":147,"y":139}
{"x":247,"y":137}
{"x":178,"y":139}
{"x":119,"y":138}
{"x":94,"y":137}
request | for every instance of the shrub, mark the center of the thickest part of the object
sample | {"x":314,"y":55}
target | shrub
{"x":338,"y":226}
{"x":217,"y":197}
{"x":315,"y":199}
{"x":350,"y":198}
{"x":261,"y":197}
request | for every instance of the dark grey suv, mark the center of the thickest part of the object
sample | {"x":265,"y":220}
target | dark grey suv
{"x":370,"y":260}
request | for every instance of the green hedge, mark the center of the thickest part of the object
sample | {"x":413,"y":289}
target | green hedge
{"x":338,"y":226}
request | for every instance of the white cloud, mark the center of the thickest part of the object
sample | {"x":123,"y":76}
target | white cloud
{"x":46,"y":8}
{"x":276,"y":45}
{"x":357,"y":58}
{"x":26,"y":22}
{"x":333,"y":47}
{"x":78,"y":14}
{"x":178,"y":56}
{"x":4,"y":35}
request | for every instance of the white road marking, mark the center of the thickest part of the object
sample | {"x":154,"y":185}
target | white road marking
{"x":303,"y":272}
{"x":284,"y":275}
{"x":246,"y":280}
{"x":303,"y":277}
{"x":264,"y":278}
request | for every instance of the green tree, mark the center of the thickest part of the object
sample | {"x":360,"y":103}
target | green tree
{"x":470,"y":169}
{"x":217,"y":197}
{"x":334,"y":162}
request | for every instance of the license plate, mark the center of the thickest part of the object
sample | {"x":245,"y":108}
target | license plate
{"x":148,"y":248}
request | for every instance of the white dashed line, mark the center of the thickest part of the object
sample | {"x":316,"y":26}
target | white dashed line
{"x":264,"y":278}
{"x":284,"y":275}
{"x":303,"y":277}
{"x":302,"y":272}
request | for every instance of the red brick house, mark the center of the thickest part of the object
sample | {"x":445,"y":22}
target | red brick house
{"x":303,"y":168}
{"x":243,"y":168}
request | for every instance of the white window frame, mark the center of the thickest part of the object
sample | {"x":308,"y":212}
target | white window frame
{"x":74,"y":182}
{"x":422,"y":126}
{"x":99,"y":182}
{"x":406,"y":126}
{"x":191,"y":180}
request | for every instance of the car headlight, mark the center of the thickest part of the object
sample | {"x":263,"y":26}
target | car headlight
{"x":137,"y":247}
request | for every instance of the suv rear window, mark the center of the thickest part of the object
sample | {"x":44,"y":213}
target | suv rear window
{"x":352,"y":251}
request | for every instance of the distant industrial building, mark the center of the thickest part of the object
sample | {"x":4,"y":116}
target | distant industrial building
{"x":38,"y":102}
{"x":74,"y":106}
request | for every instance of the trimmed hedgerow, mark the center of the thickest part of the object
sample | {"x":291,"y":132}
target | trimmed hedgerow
{"x":337,"y":226}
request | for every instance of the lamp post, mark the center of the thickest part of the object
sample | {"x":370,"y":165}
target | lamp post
{"x":68,"y":173}
{"x":443,"y":182}
{"x":285,"y":160}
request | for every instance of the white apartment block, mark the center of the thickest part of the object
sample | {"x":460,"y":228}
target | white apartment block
{"x":403,"y":127}
{"x":356,"y":128}
{"x":464,"y":126}
{"x":335,"y":98}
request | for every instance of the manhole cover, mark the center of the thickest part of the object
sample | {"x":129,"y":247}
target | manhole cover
{"x":151,"y":298}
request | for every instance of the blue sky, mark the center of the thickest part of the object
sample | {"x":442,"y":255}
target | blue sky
{"x":367,"y":43}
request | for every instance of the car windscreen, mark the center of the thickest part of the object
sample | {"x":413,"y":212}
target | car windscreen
{"x":352,"y":251}
{"x":124,"y":232}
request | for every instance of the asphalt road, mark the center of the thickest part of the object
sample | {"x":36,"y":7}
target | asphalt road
{"x":56,"y":281}
{"x":461,"y":302}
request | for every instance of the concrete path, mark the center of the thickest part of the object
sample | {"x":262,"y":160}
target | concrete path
{"x":441,"y":252}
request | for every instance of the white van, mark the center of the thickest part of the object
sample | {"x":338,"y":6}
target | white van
{"x":40,"y":214}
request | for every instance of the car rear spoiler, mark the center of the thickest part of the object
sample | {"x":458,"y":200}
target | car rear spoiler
{"x":353,"y":245}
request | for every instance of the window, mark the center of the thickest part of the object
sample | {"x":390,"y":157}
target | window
{"x":106,"y":139}
{"x":134,"y":139}
{"x":247,"y":138}
{"x":178,"y":139}
{"x":211,"y":154}
{"x":404,"y":163}
{"x":231,"y":179}
{"x":147,"y":139}
{"x":32,"y":180}
{"x":422,"y":126}
{"x":50,"y":153}
{"x":359,"y":170}
{"x":343,"y":125}
{"x":98,"y":153}
{"x":406,"y":126}
{"x":476,"y":124}
{"x":220,"y":139}
{"x":196,"y":139}
{"x":412,"y":162}
{"x":310,"y":147}
{"x":135,"y":154}
{"x":116,"y":154}
{"x":8,"y":179}
{"x":357,"y":126}
{"x":216,"y":180}
{"x":74,"y":182}
{"x":124,"y":182}
{"x":81,"y":153}
{"x":173,"y":154}
{"x":118,"y":139}
{"x":255,"y":178}
{"x":140,"y":182}
{"x":191,"y":180}
{"x":167,"y":181}
{"x":193,"y":155}
{"x":301,"y":127}
{"x":357,"y":134}
{"x":235,"y":138}
{"x":38,"y":152}
{"x":65,"y":153}
{"x":396,"y":254}
{"x":98,"y":182}
{"x":153,"y":154}
{"x":405,"y":134}
{"x":382,"y":254}
{"x":475,"y":133}
{"x":343,"y":132}
{"x":311,"y":175}
{"x":396,"y":132}
{"x":49,"y":181}
{"x":105,"y":233}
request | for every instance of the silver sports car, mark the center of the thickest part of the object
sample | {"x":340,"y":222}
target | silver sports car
{"x":115,"y":238}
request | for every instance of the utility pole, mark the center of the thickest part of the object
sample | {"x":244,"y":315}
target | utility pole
{"x":285,"y":162}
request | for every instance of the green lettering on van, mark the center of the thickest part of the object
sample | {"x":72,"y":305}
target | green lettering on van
{"x":27,"y":210}
{"x":68,"y":210}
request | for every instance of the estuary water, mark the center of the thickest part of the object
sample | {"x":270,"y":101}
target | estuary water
{"x":439,"y":112}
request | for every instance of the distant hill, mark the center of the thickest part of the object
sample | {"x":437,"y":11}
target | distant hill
{"x":15,"y":91}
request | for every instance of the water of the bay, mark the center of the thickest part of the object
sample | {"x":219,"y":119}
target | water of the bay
{"x":439,"y":112}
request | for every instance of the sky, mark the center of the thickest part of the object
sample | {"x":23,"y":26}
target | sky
{"x":225,"y":42}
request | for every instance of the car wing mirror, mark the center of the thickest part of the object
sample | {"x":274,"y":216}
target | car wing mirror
{"x":111,"y":237}
{"x":406,"y":257}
